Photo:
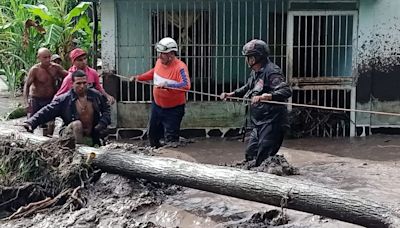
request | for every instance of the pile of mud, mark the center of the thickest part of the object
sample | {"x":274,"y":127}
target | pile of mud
{"x":48,"y":174}
{"x":52,"y":181}
{"x":277,"y":165}
{"x":55,"y":186}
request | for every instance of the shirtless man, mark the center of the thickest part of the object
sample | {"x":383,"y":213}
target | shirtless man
{"x":84,"y":111}
{"x":40,"y":85}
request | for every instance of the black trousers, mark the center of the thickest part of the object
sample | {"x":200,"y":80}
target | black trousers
{"x":265,"y":141}
{"x":165,"y":123}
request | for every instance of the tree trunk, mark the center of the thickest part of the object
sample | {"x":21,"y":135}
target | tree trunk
{"x":249,"y":185}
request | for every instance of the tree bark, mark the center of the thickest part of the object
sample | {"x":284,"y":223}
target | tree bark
{"x":249,"y":185}
{"x":244,"y":184}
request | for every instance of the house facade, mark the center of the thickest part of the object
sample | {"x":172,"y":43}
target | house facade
{"x":342,"y":53}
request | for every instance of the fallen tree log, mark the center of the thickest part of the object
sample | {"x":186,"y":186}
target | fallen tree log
{"x":250,"y":185}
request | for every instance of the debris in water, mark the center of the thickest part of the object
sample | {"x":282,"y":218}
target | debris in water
{"x":277,"y":165}
{"x":264,"y":219}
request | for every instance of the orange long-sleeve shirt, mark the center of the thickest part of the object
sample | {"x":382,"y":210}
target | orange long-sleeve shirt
{"x":175,"y":75}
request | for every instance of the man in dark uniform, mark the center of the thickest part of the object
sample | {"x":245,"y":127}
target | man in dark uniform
{"x":266,"y":83}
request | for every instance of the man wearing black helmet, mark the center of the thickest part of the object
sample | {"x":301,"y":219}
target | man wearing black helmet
{"x":266,"y":83}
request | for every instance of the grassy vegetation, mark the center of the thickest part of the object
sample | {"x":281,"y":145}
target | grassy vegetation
{"x":26,"y":25}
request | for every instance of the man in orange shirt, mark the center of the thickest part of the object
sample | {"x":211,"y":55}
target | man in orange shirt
{"x":171,"y":79}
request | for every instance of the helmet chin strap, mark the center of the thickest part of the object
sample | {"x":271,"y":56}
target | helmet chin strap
{"x":255,"y":62}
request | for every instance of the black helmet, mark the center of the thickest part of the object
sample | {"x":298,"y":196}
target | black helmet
{"x":255,"y":48}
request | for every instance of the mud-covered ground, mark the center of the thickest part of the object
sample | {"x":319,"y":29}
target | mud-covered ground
{"x":115,"y":201}
{"x":365,"y":166}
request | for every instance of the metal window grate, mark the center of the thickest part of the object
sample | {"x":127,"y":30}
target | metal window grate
{"x":314,"y":48}
{"x":320,"y":68}
{"x":316,"y":122}
{"x":210,"y":35}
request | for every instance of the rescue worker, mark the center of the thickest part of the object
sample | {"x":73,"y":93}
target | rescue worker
{"x":266,"y":83}
{"x":84,"y":111}
{"x":168,"y":107}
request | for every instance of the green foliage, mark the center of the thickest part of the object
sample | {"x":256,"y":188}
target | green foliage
{"x":18,"y":112}
{"x":27,"y":25}
{"x":15,"y":57}
{"x":63,"y":27}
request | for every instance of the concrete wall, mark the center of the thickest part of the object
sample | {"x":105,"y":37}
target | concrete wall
{"x":108,"y":39}
{"x":378,"y":84}
{"x":197,"y":114}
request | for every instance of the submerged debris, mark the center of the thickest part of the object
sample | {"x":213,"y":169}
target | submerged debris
{"x":306,"y":122}
{"x":277,"y":165}
{"x":264,"y":220}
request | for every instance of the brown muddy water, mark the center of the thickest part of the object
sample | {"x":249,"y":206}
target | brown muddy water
{"x":366,"y":166}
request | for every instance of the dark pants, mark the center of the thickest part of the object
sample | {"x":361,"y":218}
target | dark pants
{"x":165,"y":123}
{"x":264,"y":141}
{"x":36,"y":103}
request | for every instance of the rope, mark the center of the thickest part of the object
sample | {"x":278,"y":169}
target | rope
{"x":272,"y":102}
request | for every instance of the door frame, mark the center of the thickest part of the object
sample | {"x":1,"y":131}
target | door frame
{"x":331,"y":82}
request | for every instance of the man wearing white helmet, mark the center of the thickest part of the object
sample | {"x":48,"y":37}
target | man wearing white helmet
{"x":168,"y":107}
{"x":266,"y":83}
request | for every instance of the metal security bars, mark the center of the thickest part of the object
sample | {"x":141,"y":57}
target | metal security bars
{"x":314,"y":48}
{"x":320,"y":65}
{"x":210,"y":36}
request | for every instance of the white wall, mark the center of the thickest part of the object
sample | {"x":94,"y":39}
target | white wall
{"x":379,"y":61}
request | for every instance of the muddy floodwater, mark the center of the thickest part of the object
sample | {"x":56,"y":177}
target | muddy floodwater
{"x":366,"y":166}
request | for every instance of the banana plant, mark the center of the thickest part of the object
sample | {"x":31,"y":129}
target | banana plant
{"x":15,"y":57}
{"x":63,"y":28}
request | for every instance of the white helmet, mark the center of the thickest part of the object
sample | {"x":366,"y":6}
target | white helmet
{"x":166,"y":45}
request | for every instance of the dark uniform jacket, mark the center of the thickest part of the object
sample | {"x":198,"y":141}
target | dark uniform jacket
{"x":64,"y":107}
{"x":269,"y":79}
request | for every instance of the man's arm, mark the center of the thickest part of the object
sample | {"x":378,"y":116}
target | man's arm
{"x":238,"y":92}
{"x":28,"y":82}
{"x":281,"y":90}
{"x":100,"y":88}
{"x":242,"y":90}
{"x":185,"y":80}
{"x":61,"y":71}
{"x":65,"y":86}
{"x":147,"y":76}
